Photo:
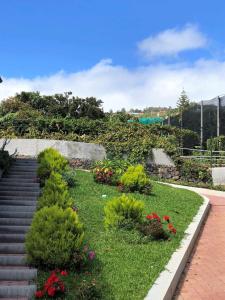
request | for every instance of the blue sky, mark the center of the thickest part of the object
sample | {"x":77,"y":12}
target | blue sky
{"x":98,"y":47}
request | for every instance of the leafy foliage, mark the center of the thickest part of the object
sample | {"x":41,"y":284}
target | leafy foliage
{"x":109,"y":171}
{"x":122,"y":210}
{"x":50,"y":160}
{"x":69,"y":176}
{"x":216,"y":144}
{"x":55,"y":192}
{"x":54,"y":236}
{"x":135,"y":179}
{"x":194,"y":171}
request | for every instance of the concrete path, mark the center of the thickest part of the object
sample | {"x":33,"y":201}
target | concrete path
{"x":204,"y":276}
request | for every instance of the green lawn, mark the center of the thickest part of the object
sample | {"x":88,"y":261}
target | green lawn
{"x":124,"y":267}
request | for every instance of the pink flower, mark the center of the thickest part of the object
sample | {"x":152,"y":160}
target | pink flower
{"x":91,"y":255}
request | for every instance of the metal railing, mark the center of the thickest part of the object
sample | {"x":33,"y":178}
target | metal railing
{"x":214,"y":158}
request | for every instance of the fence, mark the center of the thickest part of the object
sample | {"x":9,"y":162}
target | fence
{"x":214,"y":158}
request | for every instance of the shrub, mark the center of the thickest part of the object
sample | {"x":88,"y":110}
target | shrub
{"x":135,"y":179}
{"x":194,"y":171}
{"x":50,"y":160}
{"x":157,"y":228}
{"x":109,"y":171}
{"x":122,"y":211}
{"x":55,"y":192}
{"x":70,"y":177}
{"x":55,"y":234}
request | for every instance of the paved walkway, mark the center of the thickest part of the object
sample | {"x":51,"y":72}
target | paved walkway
{"x":204,"y":276}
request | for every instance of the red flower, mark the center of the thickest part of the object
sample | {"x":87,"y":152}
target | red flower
{"x":149,"y":217}
{"x":171,"y":228}
{"x":156,"y":217}
{"x":39,"y":294}
{"x":64,"y":273}
{"x":166,"y":218}
{"x":51,"y":291}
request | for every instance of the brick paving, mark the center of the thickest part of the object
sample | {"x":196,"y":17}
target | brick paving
{"x":204,"y":275}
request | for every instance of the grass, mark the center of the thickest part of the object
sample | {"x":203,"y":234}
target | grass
{"x":124,"y":267}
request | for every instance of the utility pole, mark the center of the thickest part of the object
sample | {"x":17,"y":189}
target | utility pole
{"x":201,"y":124}
{"x":218,"y":117}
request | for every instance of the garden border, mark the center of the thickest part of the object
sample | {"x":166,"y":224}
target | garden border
{"x":165,"y":285}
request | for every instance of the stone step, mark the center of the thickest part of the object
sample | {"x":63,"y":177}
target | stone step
{"x":15,"y":221}
{"x":18,"y":184}
{"x":17,"y":291}
{"x":13,"y":197}
{"x":21,"y":176}
{"x":12,"y":248}
{"x":24,"y":167}
{"x":14,"y":229}
{"x":18,"y":273}
{"x":17,"y":207}
{"x":12,"y":238}
{"x":19,"y":193}
{"x":16,"y":202}
{"x":19,"y":180}
{"x":12,"y":260}
{"x":19,"y":188}
{"x":16,"y":214}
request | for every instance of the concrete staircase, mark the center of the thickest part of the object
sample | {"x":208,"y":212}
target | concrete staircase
{"x":18,"y":195}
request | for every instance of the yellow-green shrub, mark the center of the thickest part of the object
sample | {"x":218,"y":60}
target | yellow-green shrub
{"x":135,"y":179}
{"x":55,"y":192}
{"x":50,"y":160}
{"x":123,"y":210}
{"x":53,"y":238}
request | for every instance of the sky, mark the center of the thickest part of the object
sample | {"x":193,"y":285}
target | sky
{"x":128,"y":53}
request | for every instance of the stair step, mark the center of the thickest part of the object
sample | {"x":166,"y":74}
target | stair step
{"x":13,"y":229}
{"x":19,"y":184}
{"x":17,"y":291}
{"x":12,"y":238}
{"x":19,"y":180}
{"x":12,"y":260}
{"x":16,"y":207}
{"x":22,"y":176}
{"x":19,"y":188}
{"x":19,"y":193}
{"x":18,"y":273}
{"x":16,"y":214}
{"x":15,"y":221}
{"x":13,"y":248}
{"x":19,"y":203}
{"x":13,"y":197}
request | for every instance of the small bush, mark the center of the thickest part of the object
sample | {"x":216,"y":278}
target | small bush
{"x":55,"y":192}
{"x":194,"y":171}
{"x":50,"y":160}
{"x":54,"y":236}
{"x":157,"y":228}
{"x":109,"y":171}
{"x":122,"y":211}
{"x":135,"y":179}
{"x":70,"y":177}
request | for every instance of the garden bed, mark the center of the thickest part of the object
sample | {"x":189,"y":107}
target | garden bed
{"x":125,"y":267}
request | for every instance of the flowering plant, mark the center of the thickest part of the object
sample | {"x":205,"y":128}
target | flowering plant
{"x":157,"y":227}
{"x":83,"y":257}
{"x":54,"y":285}
{"x":103,"y":175}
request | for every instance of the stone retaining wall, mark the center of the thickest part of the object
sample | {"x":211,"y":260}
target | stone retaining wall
{"x":71,"y":150}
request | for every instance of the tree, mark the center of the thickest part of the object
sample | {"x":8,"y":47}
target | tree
{"x":183,"y":102}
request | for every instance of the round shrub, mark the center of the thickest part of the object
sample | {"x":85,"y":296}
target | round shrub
{"x":50,"y":160}
{"x":55,"y":235}
{"x":55,"y":192}
{"x":135,"y":179}
{"x":121,"y":211}
{"x":70,"y":177}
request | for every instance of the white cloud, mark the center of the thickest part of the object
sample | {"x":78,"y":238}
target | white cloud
{"x":117,"y":86}
{"x":172,"y":41}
